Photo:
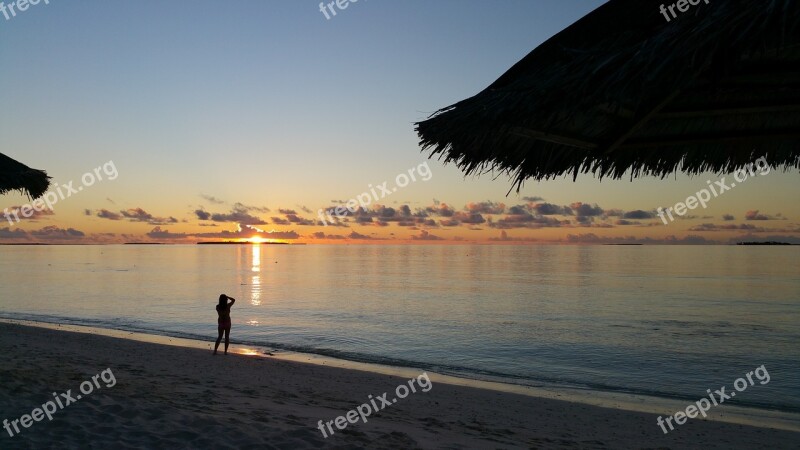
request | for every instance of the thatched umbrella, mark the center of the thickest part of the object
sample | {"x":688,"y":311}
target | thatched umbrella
{"x":624,"y":90}
{"x":17,"y":176}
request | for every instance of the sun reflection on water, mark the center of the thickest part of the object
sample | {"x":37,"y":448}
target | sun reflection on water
{"x":255,"y":281}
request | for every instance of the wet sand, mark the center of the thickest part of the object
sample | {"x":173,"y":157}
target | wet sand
{"x":168,"y":396}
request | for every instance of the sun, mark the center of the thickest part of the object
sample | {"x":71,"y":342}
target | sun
{"x":257,"y":240}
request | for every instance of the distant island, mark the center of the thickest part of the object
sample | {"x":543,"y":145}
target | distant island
{"x":764,"y":243}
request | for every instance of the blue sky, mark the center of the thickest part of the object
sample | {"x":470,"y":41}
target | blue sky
{"x":269,"y":103}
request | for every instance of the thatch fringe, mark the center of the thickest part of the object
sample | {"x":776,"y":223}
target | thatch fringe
{"x":15,"y":176}
{"x":622,"y":90}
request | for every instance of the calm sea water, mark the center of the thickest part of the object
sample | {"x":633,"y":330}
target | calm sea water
{"x":670,"y":321}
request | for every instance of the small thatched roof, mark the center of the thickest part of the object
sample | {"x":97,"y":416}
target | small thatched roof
{"x":17,"y":176}
{"x":623,"y":89}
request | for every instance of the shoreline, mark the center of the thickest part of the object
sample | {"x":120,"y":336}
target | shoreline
{"x":167,"y":395}
{"x":756,"y":417}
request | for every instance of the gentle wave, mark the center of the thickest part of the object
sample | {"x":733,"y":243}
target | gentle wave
{"x":457,"y":371}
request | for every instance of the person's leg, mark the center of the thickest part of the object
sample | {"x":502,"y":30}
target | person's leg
{"x":227,"y":338}
{"x":219,"y":338}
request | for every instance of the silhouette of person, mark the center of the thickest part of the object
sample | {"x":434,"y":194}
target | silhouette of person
{"x":224,"y":320}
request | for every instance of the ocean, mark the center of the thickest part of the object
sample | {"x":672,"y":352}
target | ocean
{"x":665,"y":321}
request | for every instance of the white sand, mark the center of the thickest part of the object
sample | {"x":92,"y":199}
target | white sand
{"x":175,"y":397}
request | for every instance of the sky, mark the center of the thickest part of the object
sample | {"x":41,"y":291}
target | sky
{"x":205,"y":121}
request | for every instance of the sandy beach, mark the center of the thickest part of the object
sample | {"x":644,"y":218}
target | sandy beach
{"x":168,"y":396}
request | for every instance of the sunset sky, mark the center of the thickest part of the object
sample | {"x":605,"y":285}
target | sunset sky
{"x":225,"y":116}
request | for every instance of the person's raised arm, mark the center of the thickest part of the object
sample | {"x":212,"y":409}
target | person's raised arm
{"x":233,"y":300}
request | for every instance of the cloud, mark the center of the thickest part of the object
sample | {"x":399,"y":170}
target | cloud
{"x":585,"y":213}
{"x":295,"y":219}
{"x":158,"y":233}
{"x":140,"y":215}
{"x":34,"y":214}
{"x":754,"y":215}
{"x":420,"y":212}
{"x":359,"y":236}
{"x":724,"y":227}
{"x":213,"y":200}
{"x":441,"y":209}
{"x":322,"y":235}
{"x":281,"y":235}
{"x":17,"y":233}
{"x":239,"y":214}
{"x":638,"y":214}
{"x":586,"y":210}
{"x":110,"y":215}
{"x":549,"y":209}
{"x":330,"y":214}
{"x":469,"y":218}
{"x":520,"y":210}
{"x":426,"y":236}
{"x":279,"y":221}
{"x":246,"y":208}
{"x":53,"y":232}
{"x":386,"y":212}
{"x":428,"y":223}
{"x":486,"y":207}
{"x":524,"y":220}
{"x":483,"y":215}
{"x":377,"y":214}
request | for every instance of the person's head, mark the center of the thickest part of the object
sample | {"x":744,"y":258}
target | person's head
{"x":223,"y":299}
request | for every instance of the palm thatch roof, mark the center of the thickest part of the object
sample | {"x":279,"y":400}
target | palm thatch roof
{"x":623,"y":90}
{"x":17,"y":176}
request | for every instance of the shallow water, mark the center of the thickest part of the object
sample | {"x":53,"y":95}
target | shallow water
{"x":670,"y":321}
